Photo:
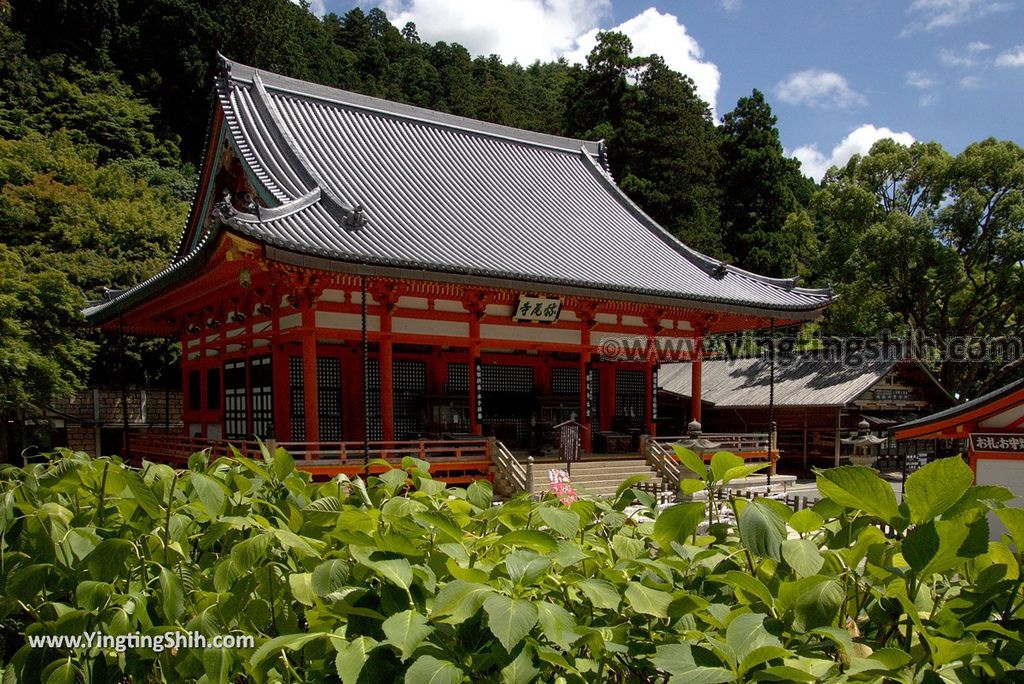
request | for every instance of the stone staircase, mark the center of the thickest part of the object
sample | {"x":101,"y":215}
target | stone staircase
{"x":595,"y":477}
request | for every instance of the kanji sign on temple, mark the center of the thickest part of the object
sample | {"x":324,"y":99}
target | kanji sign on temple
{"x":493,"y":264}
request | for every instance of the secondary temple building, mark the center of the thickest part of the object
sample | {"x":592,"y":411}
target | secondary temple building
{"x":488,"y":267}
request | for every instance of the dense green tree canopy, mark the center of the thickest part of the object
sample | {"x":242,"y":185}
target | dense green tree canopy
{"x":921,"y":240}
{"x":42,"y":351}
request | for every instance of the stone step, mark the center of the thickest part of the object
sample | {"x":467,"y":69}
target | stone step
{"x":638,"y":462}
{"x":583,"y":479}
{"x":598,"y":482}
{"x":595,"y":477}
{"x":593,"y":490}
{"x":607,"y":467}
{"x":610,"y":471}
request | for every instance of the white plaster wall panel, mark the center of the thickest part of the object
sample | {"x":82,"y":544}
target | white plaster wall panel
{"x":333,"y":296}
{"x":291,"y":321}
{"x":418,"y":303}
{"x":346,"y":321}
{"x":419,"y":326}
{"x":500,"y":310}
{"x":523,"y":333}
{"x":449,"y":305}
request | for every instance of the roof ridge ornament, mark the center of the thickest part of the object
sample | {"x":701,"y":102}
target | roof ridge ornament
{"x":357,"y":219}
{"x":337,"y":209}
{"x":602,"y":156}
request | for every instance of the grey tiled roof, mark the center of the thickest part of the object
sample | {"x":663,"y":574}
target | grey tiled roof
{"x":745,"y":383}
{"x":447,"y":194}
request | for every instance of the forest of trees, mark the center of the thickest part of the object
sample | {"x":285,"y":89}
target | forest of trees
{"x":103,"y":114}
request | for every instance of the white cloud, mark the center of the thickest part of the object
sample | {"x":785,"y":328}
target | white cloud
{"x":970,"y":82}
{"x":317,"y":7}
{"x":924,"y":81}
{"x":731,"y":5}
{"x":528,"y":30}
{"x":921,"y":80}
{"x":950,"y":58}
{"x":978,"y":46}
{"x":817,"y":88}
{"x":929,"y":15}
{"x":653,"y":32}
{"x":815,"y":163}
{"x":1011,"y":58}
{"x":523,"y":30}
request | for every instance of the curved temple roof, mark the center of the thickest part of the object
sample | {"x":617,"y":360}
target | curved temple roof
{"x":362,"y":180}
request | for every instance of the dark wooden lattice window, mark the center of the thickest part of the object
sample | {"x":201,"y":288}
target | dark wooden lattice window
{"x":630,"y":397}
{"x":507,"y":379}
{"x":328,"y":384}
{"x":565,"y":382}
{"x":235,"y":418}
{"x":508,"y":401}
{"x":195,"y":396}
{"x":410,"y":391}
{"x":213,"y":388}
{"x":261,"y":376}
{"x":458,"y":379}
{"x":374,"y":429}
{"x":296,"y":399}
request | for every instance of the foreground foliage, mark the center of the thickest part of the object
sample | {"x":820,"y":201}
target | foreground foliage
{"x":400,"y":578}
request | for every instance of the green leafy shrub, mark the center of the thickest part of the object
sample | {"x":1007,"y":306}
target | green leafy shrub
{"x":402,"y":579}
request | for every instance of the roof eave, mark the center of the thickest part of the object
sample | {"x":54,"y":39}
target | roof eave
{"x":321,"y":259}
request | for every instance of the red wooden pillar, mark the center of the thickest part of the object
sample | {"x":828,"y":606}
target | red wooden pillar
{"x":204,"y":389}
{"x":309,"y":383}
{"x":247,"y":354}
{"x":695,"y":376}
{"x":186,"y":415}
{"x":387,"y":371}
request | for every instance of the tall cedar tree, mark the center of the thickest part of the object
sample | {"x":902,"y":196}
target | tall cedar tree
{"x":761,"y":190}
{"x":663,"y":146}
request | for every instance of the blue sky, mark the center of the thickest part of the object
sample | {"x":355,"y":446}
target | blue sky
{"x":838,"y":74}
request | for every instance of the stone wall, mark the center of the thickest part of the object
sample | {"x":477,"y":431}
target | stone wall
{"x":145,"y":407}
{"x":95,"y":414}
